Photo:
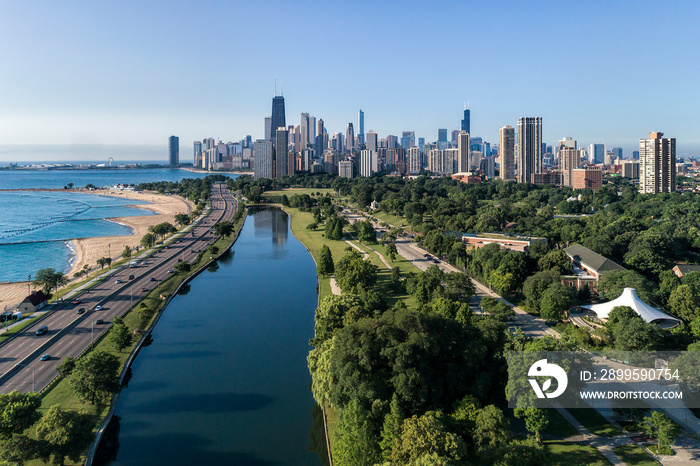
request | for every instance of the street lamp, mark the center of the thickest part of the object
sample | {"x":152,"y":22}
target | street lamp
{"x":33,"y":376}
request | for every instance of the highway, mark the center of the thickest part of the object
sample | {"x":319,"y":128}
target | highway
{"x":70,"y":333}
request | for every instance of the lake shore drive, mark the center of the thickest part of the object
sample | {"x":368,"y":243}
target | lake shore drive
{"x":88,"y":250}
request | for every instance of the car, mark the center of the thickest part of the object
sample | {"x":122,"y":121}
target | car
{"x":81,"y":310}
{"x":76,"y":301}
{"x":143,"y":288}
{"x":179,"y":260}
{"x":119,"y":280}
{"x":436,"y":261}
{"x":427,"y":256}
{"x":153,"y":279}
{"x":45,"y":357}
{"x":171,"y":271}
{"x":99,"y":321}
{"x":131,"y":277}
{"x":98,"y":308}
{"x":194,"y":250}
{"x":42,"y":330}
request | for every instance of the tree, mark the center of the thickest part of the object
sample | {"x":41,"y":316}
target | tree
{"x":145,"y":315}
{"x":224,"y":229}
{"x":70,"y":185}
{"x":331,"y":313}
{"x":126,"y":253}
{"x":48,"y":279}
{"x":354,"y":442}
{"x":427,"y":435}
{"x":66,"y":367}
{"x":662,"y":427}
{"x":182,"y":219}
{"x":119,"y":334}
{"x":684,"y":301}
{"x":391,"y":429}
{"x":319,"y":360}
{"x":66,"y":433}
{"x":629,"y":332}
{"x":491,"y":429}
{"x":147,"y":240}
{"x":535,"y":285}
{"x":95,"y":377}
{"x":20,"y":449}
{"x":536,"y":420}
{"x":391,"y":251}
{"x":213,"y":250}
{"x":366,"y":232}
{"x":353,"y":273}
{"x":183,"y":267}
{"x":18,"y":412}
{"x":556,"y":300}
{"x":334,"y":228}
{"x":556,"y":259}
{"x":504,"y":282}
{"x":325,"y":262}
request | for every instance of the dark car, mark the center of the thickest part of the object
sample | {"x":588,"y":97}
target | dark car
{"x":99,"y":321}
{"x":153,"y":279}
{"x":131,"y":277}
{"x":81,"y":310}
{"x":42,"y":330}
{"x":45,"y":357}
{"x":143,"y":288}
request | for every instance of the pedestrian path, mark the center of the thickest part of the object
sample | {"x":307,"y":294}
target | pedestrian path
{"x":606,"y":446}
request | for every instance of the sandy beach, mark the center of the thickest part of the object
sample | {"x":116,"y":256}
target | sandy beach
{"x":88,"y":250}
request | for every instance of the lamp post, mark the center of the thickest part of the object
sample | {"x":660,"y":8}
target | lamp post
{"x":109,"y":254}
{"x":33,"y":376}
{"x":29,"y":284}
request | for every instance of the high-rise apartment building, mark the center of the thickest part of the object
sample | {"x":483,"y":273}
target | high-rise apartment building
{"x":320,"y":145}
{"x":361,"y":126}
{"x":345,"y":169}
{"x":436,"y":161}
{"x":282,"y":153}
{"x":174,"y":149}
{"x":372,"y":142}
{"x":414,"y":160}
{"x":596,"y":153}
{"x":657,"y":164}
{"x":630,"y":169}
{"x":304,"y":131}
{"x":278,"y":115}
{"x":349,"y":138}
{"x":451,"y":160}
{"x":466,"y":120}
{"x":506,"y":153}
{"x":529,"y":148}
{"x":268,"y":128}
{"x":368,"y":162}
{"x":463,"y":149}
{"x":198,"y":154}
{"x":569,"y":160}
{"x":263,"y":157}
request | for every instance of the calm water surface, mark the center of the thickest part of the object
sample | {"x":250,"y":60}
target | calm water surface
{"x":225,"y":380}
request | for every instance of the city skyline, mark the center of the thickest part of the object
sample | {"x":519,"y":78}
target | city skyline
{"x":139,"y":81}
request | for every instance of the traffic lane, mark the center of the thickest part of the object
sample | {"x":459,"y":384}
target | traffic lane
{"x":70,"y":346}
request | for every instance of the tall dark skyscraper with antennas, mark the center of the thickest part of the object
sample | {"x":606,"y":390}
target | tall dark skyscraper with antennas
{"x":465,"y":121}
{"x":278,"y":119}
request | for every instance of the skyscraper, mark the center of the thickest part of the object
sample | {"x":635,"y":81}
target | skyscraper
{"x":442,"y":134}
{"x":263,"y":159}
{"x":349,"y":138}
{"x":617,"y":152}
{"x":506,"y":153}
{"x":414,"y":160}
{"x":368,"y":162}
{"x":466,"y":120}
{"x":596,"y":153}
{"x":408,"y":139}
{"x":281,"y":153}
{"x":320,"y":146}
{"x":463,"y":148}
{"x":657,"y":164}
{"x":268,"y":128}
{"x":174,"y":143}
{"x":304,"y":131}
{"x":372,"y":141}
{"x":529,"y":148}
{"x":569,"y":160}
{"x":198,"y":154}
{"x":361,"y":126}
{"x":278,"y":118}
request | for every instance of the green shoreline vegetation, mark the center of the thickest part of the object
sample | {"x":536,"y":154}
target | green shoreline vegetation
{"x":614,"y":221}
{"x":58,"y":425}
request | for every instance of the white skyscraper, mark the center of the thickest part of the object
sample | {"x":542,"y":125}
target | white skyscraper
{"x":263,"y":159}
{"x":368,"y":162}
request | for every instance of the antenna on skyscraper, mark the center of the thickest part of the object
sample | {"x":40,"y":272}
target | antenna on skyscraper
{"x":465,"y":105}
{"x":281,"y":89}
{"x":275,"y":86}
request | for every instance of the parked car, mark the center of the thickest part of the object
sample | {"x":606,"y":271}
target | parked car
{"x":42,"y":330}
{"x":45,"y":357}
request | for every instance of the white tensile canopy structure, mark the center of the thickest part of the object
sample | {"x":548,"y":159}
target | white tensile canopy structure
{"x":645,"y":311}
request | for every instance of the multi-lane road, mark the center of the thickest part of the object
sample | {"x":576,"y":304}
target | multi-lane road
{"x":70,"y":333}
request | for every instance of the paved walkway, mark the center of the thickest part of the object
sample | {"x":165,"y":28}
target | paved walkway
{"x":606,"y":446}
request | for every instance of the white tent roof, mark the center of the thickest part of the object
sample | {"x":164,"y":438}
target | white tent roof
{"x":630,"y":298}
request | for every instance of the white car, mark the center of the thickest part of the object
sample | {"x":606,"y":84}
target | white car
{"x":98,"y":308}
{"x":119,"y":280}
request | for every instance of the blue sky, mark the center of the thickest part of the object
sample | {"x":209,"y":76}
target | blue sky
{"x":135,"y":72}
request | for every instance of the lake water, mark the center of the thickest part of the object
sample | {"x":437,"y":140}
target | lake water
{"x":35,"y":226}
{"x":225,"y":380}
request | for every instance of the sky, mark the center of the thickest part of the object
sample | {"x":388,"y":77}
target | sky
{"x":135,"y":72}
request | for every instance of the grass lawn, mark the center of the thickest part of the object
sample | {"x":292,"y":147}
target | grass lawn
{"x":398,"y":222}
{"x":664,"y":451}
{"x":633,"y":455}
{"x":568,"y":453}
{"x":558,"y":426}
{"x":594,"y":421}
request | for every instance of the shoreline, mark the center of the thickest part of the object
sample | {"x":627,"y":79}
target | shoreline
{"x":86,"y":251}
{"x":217,"y":172}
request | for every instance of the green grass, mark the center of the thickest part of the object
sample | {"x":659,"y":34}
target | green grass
{"x":570,"y":454}
{"x":663,"y":451}
{"x":594,"y":421}
{"x":393,"y":220}
{"x":558,"y":426}
{"x":633,"y":455}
